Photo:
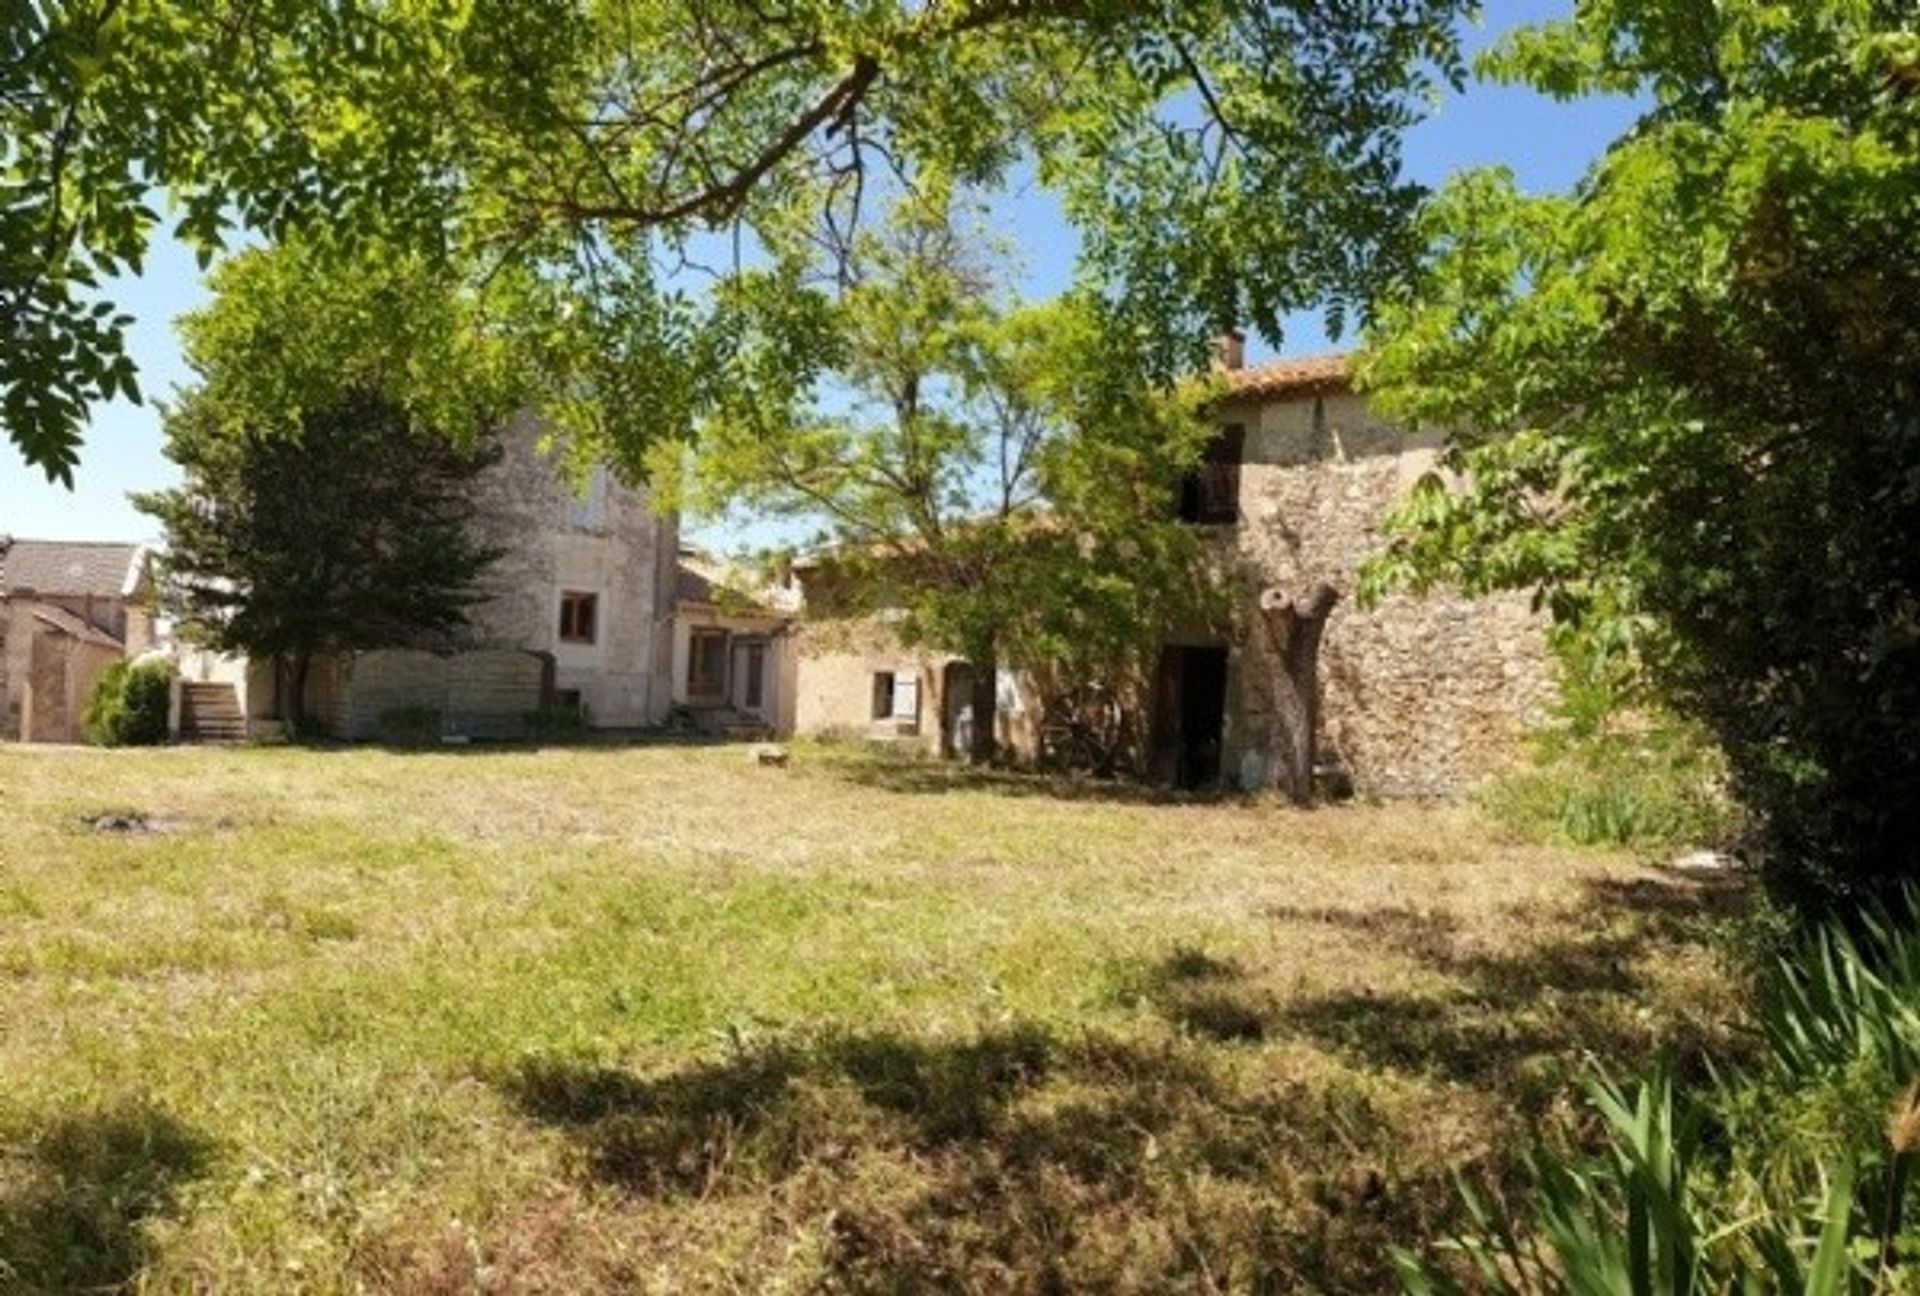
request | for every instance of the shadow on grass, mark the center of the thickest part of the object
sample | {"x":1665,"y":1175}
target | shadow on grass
{"x":1018,"y":1158}
{"x":76,"y":1195}
{"x":1520,"y":1020}
{"x":909,"y":776}
{"x":1035,"y":1158}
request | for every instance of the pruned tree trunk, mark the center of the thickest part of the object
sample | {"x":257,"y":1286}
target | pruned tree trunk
{"x":296,"y":700}
{"x":986,"y":708}
{"x":1295,"y":625}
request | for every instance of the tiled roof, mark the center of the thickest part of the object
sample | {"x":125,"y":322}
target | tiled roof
{"x":67,"y":623}
{"x":1298,"y":376}
{"x":100,"y":568}
{"x":702,"y":580}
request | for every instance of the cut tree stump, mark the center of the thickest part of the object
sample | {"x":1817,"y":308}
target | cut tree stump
{"x":1294,"y":626}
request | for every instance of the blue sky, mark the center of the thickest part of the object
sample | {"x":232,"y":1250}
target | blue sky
{"x":1548,"y":145}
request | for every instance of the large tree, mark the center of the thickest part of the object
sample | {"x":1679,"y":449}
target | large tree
{"x":977,"y":465}
{"x":1223,"y":161}
{"x":1685,"y":398}
{"x":320,"y":512}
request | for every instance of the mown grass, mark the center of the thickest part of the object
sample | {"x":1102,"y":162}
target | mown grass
{"x":661,"y":1019}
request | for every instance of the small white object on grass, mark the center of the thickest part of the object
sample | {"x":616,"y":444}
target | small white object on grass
{"x":769,"y":754}
{"x":1705,"y":863}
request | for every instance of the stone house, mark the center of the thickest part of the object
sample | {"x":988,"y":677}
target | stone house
{"x":579,"y":613}
{"x":1419,"y":696}
{"x":68,"y":610}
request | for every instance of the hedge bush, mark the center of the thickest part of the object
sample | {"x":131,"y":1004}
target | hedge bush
{"x":128,"y":705}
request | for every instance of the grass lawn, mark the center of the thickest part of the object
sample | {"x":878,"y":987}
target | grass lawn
{"x":657,"y":1018}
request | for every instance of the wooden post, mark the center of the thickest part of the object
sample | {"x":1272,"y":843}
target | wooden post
{"x":1294,"y":625}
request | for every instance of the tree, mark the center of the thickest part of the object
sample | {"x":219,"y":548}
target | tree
{"x":319,"y":513}
{"x":1223,"y":161}
{"x":1683,"y":399}
{"x":975,"y":464}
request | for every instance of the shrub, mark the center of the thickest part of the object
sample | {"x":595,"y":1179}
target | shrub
{"x":557,"y":719}
{"x":129,"y":703}
{"x":411,"y":726}
{"x":1790,"y":1174}
{"x":1659,"y":787}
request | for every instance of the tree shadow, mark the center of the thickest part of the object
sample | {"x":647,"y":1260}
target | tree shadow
{"x":928,"y":777}
{"x":1521,"y":1020}
{"x":76,"y":1195}
{"x":1019,"y":1158}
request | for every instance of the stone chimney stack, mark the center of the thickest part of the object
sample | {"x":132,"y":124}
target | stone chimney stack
{"x":1230,"y":350}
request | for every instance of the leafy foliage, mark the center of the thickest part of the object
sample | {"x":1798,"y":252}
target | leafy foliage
{"x":1784,"y":1176}
{"x":1222,"y":161}
{"x":1683,"y":398}
{"x":129,"y":703}
{"x":979,"y":466}
{"x":319,"y":513}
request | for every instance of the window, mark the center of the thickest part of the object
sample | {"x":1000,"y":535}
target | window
{"x":578,"y":612}
{"x":1210,"y":494}
{"x":706,"y":663}
{"x":756,"y":675}
{"x":896,"y":697}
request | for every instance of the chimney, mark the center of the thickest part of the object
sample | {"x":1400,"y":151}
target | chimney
{"x":1230,"y":350}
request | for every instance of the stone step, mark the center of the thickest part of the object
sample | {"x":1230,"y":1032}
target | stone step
{"x":210,"y":712}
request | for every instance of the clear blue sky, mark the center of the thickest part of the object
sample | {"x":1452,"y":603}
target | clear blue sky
{"x":1548,"y":146}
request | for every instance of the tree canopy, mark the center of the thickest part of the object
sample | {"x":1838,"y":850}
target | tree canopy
{"x":1221,"y":161}
{"x":328,"y":468}
{"x":1686,"y":398}
{"x":972,"y":462}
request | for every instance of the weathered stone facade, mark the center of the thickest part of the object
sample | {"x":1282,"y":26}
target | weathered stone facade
{"x":1420,"y":696}
{"x":606,"y":545}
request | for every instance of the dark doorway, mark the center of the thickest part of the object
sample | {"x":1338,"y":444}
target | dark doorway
{"x":1190,"y":711}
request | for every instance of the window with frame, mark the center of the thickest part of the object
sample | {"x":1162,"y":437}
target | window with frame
{"x":883,"y":695}
{"x":706,"y":663}
{"x":1210,"y":493}
{"x":579,"y":611}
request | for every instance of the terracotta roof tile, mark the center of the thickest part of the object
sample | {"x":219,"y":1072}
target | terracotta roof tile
{"x":1294,"y":376}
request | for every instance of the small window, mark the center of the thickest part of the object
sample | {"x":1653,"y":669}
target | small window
{"x":1210,"y":494}
{"x":706,"y":663}
{"x":578,"y":612}
{"x":883,"y":695}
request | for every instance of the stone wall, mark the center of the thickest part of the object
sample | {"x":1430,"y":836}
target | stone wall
{"x":1421,"y":696}
{"x":606,"y":542}
{"x":480,"y":693}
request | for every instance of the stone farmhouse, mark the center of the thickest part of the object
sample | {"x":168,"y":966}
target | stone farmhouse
{"x":68,"y":609}
{"x":1418,"y":696}
{"x":592,"y":607}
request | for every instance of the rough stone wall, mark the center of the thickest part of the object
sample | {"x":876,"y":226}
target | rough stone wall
{"x":479,"y":693}
{"x":1421,"y":696}
{"x":607,"y":543}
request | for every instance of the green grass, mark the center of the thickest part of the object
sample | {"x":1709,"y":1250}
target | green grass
{"x":661,"y":1019}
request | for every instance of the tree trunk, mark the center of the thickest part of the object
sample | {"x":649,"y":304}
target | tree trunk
{"x":986,"y":707}
{"x":1294,"y":625}
{"x":297,"y":696}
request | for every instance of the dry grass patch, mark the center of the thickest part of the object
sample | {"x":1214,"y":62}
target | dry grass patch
{"x":659,"y":1018}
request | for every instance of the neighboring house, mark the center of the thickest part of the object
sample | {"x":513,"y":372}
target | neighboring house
{"x":588,"y":577}
{"x":856,"y":678}
{"x":733,"y":659}
{"x":68,"y":609}
{"x":579,"y":613}
{"x":1420,"y":696}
